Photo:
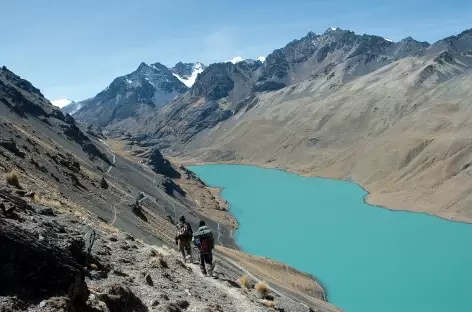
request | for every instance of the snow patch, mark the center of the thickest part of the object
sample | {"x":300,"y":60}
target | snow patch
{"x":129,"y":81}
{"x":61,"y":102}
{"x":197,"y":69}
{"x":334,"y":28}
{"x":261,"y":58}
{"x":389,"y":40}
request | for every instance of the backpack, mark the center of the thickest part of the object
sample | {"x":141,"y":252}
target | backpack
{"x":203,"y":239}
{"x":188,"y":230}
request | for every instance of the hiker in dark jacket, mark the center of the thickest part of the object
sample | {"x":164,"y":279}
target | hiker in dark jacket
{"x":203,"y":238}
{"x":183,"y":238}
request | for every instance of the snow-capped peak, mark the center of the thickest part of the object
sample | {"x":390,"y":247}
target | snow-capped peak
{"x":261,"y":58}
{"x":236,"y":59}
{"x":334,"y":28}
{"x":185,"y":76}
{"x":389,"y":40}
{"x":61,"y":102}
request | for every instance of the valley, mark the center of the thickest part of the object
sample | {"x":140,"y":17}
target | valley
{"x":393,"y":117}
{"x":71,"y":188}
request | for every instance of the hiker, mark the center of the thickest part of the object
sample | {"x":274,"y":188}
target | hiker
{"x":203,"y":238}
{"x":183,"y":238}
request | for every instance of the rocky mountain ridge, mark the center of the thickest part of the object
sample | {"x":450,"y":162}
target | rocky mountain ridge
{"x":141,"y":92}
{"x":391,"y":116}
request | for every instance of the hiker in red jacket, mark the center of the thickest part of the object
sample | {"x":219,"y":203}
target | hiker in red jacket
{"x":183,"y":238}
{"x":203,"y":238}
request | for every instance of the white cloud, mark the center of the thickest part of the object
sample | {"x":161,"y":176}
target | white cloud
{"x":236,"y":59}
{"x":261,"y":58}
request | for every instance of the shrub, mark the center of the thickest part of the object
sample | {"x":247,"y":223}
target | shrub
{"x":262,"y":288}
{"x":244,"y":281}
{"x":12,"y":179}
{"x":36,"y":199}
{"x":269,"y":304}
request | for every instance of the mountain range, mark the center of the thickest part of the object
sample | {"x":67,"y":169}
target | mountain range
{"x":388,"y":115}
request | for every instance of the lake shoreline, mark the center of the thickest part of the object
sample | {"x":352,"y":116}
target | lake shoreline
{"x":247,"y":182}
{"x":291,"y":171}
{"x":236,"y":228}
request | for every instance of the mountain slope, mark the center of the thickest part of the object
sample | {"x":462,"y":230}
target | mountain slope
{"x":60,"y":223}
{"x":131,"y":96}
{"x":392,"y":116}
{"x":325,"y":61}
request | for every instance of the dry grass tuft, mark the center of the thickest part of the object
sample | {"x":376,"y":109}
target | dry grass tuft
{"x":244,"y":281}
{"x":262,"y":288}
{"x":36,"y":198}
{"x":158,"y":262}
{"x":12,"y":179}
{"x":109,"y":228}
{"x":93,"y":266}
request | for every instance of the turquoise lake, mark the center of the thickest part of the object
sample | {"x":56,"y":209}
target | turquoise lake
{"x":367,"y":258}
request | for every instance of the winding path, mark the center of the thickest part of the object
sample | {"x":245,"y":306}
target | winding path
{"x":114,"y":209}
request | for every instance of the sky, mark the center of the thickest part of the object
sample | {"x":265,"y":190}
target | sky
{"x":75,"y":48}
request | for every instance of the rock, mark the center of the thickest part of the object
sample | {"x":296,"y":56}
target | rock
{"x":103,"y":183}
{"x":59,"y":304}
{"x":154,"y":303}
{"x":165,"y":297}
{"x":21,"y":193}
{"x":269,"y":297}
{"x":148,"y":279}
{"x":98,"y":274}
{"x":42,"y":304}
{"x":10,"y":145}
{"x":120,"y":298}
{"x":89,"y":239}
{"x":39,"y":209}
{"x":119,"y":273}
{"x":184,"y":304}
{"x":173,"y":307}
{"x":128,"y":236}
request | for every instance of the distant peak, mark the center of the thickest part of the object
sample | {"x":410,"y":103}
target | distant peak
{"x":187,"y":73}
{"x":159,"y":66}
{"x":61,"y":102}
{"x":142,"y":66}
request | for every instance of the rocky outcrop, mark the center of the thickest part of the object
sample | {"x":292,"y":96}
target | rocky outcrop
{"x":10,"y":145}
{"x":36,"y":266}
{"x":159,"y":164}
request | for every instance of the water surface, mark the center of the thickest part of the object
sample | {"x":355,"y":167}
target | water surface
{"x":368,"y":259}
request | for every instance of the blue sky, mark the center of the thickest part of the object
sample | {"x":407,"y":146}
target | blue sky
{"x":74,"y":48}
